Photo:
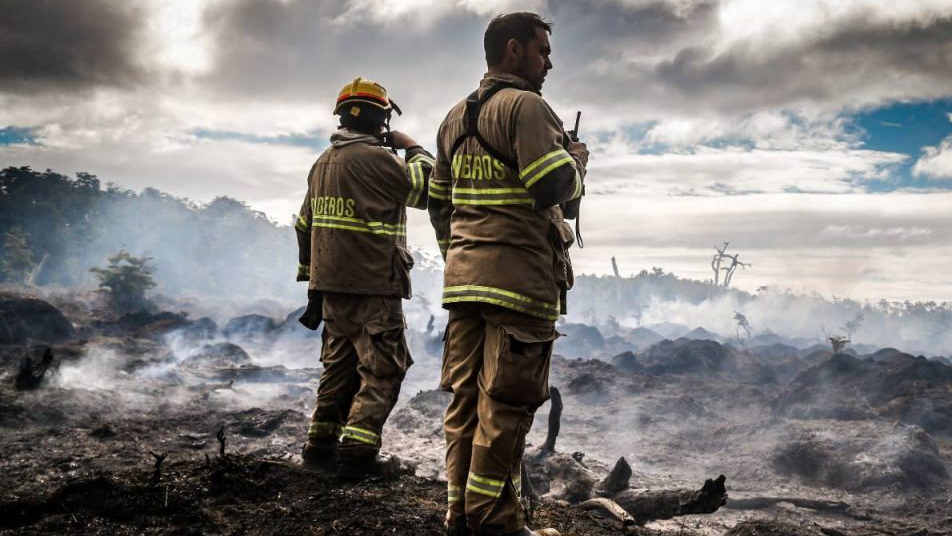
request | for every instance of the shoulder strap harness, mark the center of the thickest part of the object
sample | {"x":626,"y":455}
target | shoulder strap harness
{"x":474,"y":104}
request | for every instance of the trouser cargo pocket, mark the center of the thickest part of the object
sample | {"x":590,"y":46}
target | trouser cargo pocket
{"x":390,"y":354}
{"x":516,"y":365}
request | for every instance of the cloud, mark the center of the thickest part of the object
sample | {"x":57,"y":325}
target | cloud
{"x":736,"y":170}
{"x":935,"y":162}
{"x":47,"y":45}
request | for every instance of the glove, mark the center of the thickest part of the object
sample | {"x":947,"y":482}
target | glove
{"x":314,"y":313}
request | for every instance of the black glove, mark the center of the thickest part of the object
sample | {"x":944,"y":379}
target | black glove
{"x":314,"y":313}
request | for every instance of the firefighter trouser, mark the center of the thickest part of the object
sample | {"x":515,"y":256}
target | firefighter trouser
{"x":496,"y":364}
{"x":365,"y":359}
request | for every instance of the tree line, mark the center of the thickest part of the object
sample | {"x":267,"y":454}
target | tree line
{"x":54,"y":229}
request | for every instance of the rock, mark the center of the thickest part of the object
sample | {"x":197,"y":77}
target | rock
{"x":628,"y":362}
{"x":688,"y":356}
{"x":23,"y":320}
{"x":907,"y":458}
{"x":771,"y":527}
{"x":248,"y":326}
{"x":223,"y":354}
{"x":702,"y":334}
{"x":897,"y":386}
{"x":579,"y":340}
{"x":643,"y":337}
{"x":423,"y":412}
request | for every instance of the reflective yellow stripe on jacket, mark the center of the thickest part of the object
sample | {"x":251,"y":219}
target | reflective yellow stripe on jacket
{"x":422,"y":157}
{"x":438,"y":191}
{"x":503,"y":298}
{"x":491,"y":196}
{"x":417,"y":182}
{"x":359,"y":225}
{"x":543,"y":165}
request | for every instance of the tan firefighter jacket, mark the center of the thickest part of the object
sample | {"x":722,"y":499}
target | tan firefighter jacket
{"x":501,"y":230}
{"x":351,"y":230}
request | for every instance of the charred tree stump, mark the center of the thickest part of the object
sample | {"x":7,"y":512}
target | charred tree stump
{"x":665,"y":504}
{"x":157,"y":473}
{"x":30,"y":377}
{"x":616,"y":481}
{"x":555,"y":419}
{"x":221,"y":441}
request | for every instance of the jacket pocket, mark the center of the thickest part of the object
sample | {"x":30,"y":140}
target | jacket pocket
{"x":402,"y":263}
{"x":517,"y":369}
{"x":562,"y":238}
{"x":390,"y":354}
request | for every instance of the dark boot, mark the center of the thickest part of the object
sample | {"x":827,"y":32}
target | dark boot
{"x":525,"y":531}
{"x":320,"y":453}
{"x":458,"y":528}
{"x":358,"y":464}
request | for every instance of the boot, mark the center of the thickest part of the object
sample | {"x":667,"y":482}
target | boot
{"x":525,"y":531}
{"x":357,"y":465}
{"x":458,"y":528}
{"x":320,"y":454}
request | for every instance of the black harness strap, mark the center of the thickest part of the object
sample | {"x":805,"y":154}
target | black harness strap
{"x":474,"y":105}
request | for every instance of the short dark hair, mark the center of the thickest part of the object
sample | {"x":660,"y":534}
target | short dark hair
{"x":519,"y":26}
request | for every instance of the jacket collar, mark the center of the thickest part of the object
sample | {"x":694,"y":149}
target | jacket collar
{"x":491,"y":79}
{"x":346,"y":137}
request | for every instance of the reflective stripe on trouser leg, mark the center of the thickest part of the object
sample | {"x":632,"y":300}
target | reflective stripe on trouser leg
{"x":485,"y":486}
{"x":454,"y":493}
{"x":517,"y":478}
{"x":339,"y":379}
{"x":383,"y":361}
{"x":322,"y":430}
{"x":462,"y":359}
{"x":511,"y":387}
{"x":359,"y":434}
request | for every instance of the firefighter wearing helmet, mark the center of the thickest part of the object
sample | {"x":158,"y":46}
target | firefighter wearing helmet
{"x":351,"y":234}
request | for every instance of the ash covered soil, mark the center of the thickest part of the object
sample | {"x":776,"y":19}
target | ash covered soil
{"x":810,"y":443}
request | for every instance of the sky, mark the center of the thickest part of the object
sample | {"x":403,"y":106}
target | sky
{"x":815,"y":136}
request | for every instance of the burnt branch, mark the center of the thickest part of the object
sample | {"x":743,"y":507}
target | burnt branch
{"x":665,"y":504}
{"x":31,"y":376}
{"x":157,"y":472}
{"x":555,"y":419}
{"x":221,"y":441}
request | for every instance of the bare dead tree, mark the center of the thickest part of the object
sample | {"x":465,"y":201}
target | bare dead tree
{"x":615,"y":267}
{"x":742,"y":323}
{"x":837,"y":342}
{"x":724,"y":262}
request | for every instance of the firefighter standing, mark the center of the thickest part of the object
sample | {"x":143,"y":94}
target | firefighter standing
{"x":352,"y":247}
{"x":506,"y":177}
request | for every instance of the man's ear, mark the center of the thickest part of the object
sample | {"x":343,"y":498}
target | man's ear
{"x":514,"y":47}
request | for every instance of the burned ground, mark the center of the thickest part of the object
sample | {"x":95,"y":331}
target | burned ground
{"x":79,"y":448}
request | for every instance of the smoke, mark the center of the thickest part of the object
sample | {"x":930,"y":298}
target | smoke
{"x":674,"y":307}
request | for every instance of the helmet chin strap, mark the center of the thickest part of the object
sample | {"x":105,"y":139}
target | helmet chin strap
{"x":385,"y":137}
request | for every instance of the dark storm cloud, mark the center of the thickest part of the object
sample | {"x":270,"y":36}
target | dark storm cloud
{"x":52,"y":45}
{"x":848,"y":60}
{"x":307,"y":50}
